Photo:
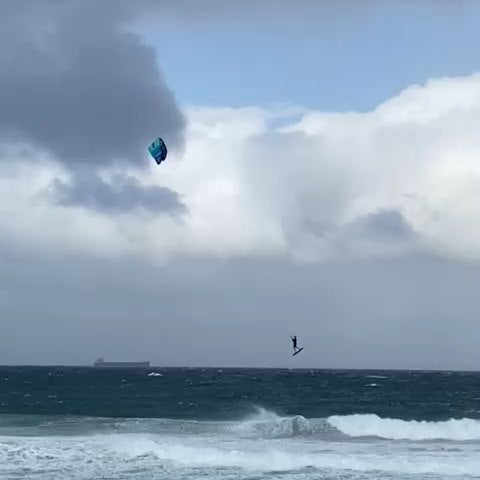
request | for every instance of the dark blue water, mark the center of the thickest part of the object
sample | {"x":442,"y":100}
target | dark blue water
{"x":225,"y":424}
{"x":226,"y":394}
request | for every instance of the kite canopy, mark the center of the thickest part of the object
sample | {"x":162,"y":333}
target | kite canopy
{"x":158,"y":150}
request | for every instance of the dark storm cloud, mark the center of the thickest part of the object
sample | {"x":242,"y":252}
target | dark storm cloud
{"x":75,"y":82}
{"x":122,"y":194}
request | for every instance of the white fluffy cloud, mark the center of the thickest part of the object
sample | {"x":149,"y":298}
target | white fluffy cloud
{"x":285,"y":181}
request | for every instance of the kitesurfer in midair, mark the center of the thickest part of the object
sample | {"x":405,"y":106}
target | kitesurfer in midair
{"x":294,"y":341}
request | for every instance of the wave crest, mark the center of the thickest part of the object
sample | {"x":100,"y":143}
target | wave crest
{"x":394,"y":429}
{"x":270,"y":425}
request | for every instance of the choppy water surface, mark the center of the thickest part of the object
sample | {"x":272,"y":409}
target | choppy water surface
{"x":81,"y":423}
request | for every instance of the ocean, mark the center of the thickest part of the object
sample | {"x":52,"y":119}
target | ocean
{"x":193,"y":423}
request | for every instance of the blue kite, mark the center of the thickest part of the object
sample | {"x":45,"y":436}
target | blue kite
{"x":158,"y":150}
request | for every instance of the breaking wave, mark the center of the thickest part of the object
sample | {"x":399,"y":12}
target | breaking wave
{"x":262,"y":424}
{"x":263,"y":442}
{"x":268,"y":424}
{"x":390,"y":428}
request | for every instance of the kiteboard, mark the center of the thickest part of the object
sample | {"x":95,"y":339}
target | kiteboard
{"x":298,"y":351}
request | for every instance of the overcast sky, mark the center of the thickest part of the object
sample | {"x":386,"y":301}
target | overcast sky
{"x":323,"y":179}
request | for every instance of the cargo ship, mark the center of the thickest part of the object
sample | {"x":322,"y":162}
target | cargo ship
{"x":101,"y":363}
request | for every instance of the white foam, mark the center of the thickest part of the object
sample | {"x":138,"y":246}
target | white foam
{"x":395,"y":429}
{"x":217,"y":451}
{"x":272,"y":457}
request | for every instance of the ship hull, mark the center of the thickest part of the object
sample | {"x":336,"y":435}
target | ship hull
{"x":122,"y":364}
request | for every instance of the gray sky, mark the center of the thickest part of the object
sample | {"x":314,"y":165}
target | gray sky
{"x":357,"y":231}
{"x":410,"y":313}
